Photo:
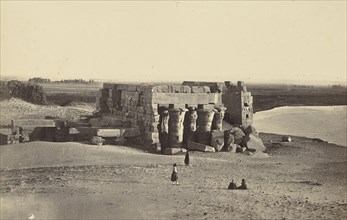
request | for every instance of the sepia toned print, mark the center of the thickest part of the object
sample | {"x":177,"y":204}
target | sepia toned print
{"x":173,"y":110}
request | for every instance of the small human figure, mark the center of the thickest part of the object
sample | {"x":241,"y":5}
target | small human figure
{"x":174,"y":175}
{"x":232,"y":185}
{"x":243,"y":185}
{"x":186,"y":158}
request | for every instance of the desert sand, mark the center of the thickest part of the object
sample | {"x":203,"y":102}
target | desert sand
{"x":14,"y":108}
{"x":297,"y":180}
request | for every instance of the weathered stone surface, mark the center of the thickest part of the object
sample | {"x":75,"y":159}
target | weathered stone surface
{"x":181,"y":98}
{"x":259,"y":154}
{"x":215,"y":98}
{"x":217,"y":139}
{"x":98,"y":122}
{"x":176,"y":126}
{"x":238,"y":135}
{"x":153,"y":137}
{"x":25,"y":136}
{"x":171,"y":151}
{"x":73,"y":131}
{"x":119,"y":141}
{"x":108,"y":132}
{"x":200,"y":89}
{"x":97,"y":140}
{"x":179,"y":89}
{"x":5,"y":131}
{"x":130,"y":132}
{"x":241,"y":149}
{"x":161,"y":89}
{"x":200,"y":147}
{"x":164,"y":128}
{"x":113,"y":122}
{"x":228,"y":140}
{"x":109,"y":85}
{"x":233,"y":148}
{"x":217,"y":123}
{"x":250,"y":130}
{"x":255,"y":143}
{"x":206,"y":106}
{"x":86,"y":132}
{"x":126,"y":123}
{"x":204,"y":124}
{"x":30,"y":123}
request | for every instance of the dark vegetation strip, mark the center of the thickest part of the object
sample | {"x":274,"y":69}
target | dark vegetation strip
{"x":271,"y":96}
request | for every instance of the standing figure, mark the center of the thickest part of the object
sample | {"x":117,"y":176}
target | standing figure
{"x":243,"y":185}
{"x":174,"y":175}
{"x":186,"y":159}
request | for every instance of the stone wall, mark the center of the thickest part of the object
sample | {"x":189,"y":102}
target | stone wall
{"x":237,"y":100}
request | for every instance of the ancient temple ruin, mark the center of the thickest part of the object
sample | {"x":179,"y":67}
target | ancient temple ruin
{"x":166,"y":118}
{"x":169,"y":116}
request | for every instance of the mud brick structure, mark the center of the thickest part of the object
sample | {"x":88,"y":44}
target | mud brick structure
{"x":169,"y":116}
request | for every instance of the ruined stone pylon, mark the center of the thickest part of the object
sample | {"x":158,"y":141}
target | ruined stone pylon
{"x":176,"y":127}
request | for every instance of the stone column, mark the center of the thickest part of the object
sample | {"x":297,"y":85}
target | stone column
{"x":190,"y":125}
{"x":176,"y":127}
{"x":204,"y":124}
{"x":229,"y":144}
{"x":164,"y":129}
{"x":217,"y":123}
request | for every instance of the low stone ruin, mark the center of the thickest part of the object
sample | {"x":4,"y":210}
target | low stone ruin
{"x":172,"y":117}
{"x":61,"y":130}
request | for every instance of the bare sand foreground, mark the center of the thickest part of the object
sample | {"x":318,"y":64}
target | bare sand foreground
{"x":299,"y":180}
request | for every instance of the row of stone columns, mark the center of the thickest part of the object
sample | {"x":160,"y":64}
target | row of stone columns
{"x":178,"y":125}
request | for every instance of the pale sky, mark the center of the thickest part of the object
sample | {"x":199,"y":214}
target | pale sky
{"x":265,"y":41}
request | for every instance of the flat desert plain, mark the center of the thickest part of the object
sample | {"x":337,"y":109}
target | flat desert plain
{"x":298,"y":180}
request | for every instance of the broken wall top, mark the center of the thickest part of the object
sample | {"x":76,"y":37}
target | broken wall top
{"x":158,"y":88}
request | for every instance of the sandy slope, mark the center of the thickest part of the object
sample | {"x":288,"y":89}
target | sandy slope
{"x":300,"y":180}
{"x":16,"y":108}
